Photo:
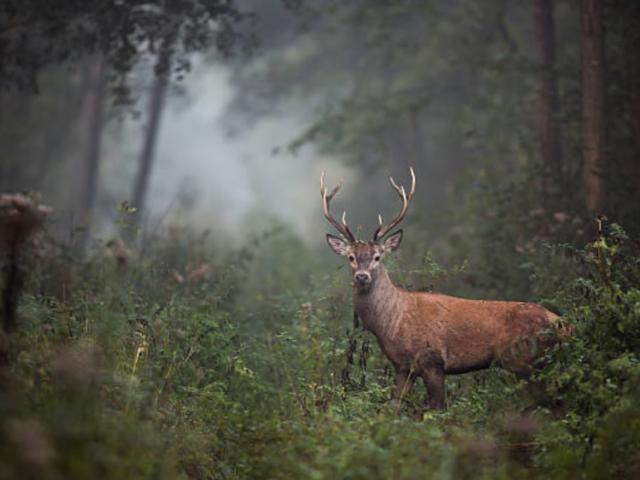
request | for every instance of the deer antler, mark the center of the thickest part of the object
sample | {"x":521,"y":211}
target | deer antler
{"x":405,"y":198}
{"x":342,"y":228}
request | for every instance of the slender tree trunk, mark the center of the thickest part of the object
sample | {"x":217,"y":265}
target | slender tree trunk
{"x":550,"y":143}
{"x":4,"y":162}
{"x":12,"y":283}
{"x":593,"y":105}
{"x":147,"y":156}
{"x":634,"y":73}
{"x":632,"y":67}
{"x":95,"y":115}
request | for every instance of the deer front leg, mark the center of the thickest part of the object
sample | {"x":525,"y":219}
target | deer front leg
{"x":434,"y":382}
{"x":404,"y":382}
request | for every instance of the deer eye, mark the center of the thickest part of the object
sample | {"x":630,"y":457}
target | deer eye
{"x":351,"y":258}
{"x":377,"y":258}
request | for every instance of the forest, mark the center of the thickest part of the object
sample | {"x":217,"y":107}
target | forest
{"x":170,"y":304}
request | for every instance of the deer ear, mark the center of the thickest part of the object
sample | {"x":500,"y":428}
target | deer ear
{"x":393,"y":242}
{"x":338,"y":245}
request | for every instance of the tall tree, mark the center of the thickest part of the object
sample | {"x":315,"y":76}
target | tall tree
{"x":632,"y":64}
{"x":95,"y":103}
{"x":593,"y":104}
{"x":549,"y":125}
{"x":156,"y":104}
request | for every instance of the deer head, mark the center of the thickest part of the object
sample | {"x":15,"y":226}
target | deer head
{"x":365,"y":257}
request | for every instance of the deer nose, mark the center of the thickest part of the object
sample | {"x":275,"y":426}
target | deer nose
{"x":362,"y":277}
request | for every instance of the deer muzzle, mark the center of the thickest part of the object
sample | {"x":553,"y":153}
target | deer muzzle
{"x":362,"y":278}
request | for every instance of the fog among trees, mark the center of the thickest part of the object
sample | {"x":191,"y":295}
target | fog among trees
{"x":171,"y":308}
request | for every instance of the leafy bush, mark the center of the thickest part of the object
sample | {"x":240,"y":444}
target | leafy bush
{"x":595,"y":376}
{"x":150,"y":371}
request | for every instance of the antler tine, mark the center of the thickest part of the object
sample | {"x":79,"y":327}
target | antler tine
{"x":405,"y":198}
{"x":400,"y":188}
{"x":342,"y":228}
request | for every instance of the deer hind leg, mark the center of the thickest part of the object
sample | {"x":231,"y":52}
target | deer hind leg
{"x":434,"y":382}
{"x":404,"y":382}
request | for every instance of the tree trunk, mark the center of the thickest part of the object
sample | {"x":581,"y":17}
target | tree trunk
{"x":156,"y":105}
{"x":549,"y":126}
{"x":4,"y":162}
{"x":13,"y":281}
{"x":632,"y":67}
{"x":95,"y":117}
{"x":593,"y":105}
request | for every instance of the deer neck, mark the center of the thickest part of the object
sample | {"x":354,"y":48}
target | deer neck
{"x":380,"y":307}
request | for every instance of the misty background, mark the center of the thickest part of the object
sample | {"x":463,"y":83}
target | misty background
{"x":240,"y":140}
{"x":224,"y":123}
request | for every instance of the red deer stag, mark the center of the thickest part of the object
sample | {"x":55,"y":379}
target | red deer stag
{"x":427,"y":334}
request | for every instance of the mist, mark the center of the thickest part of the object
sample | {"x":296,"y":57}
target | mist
{"x":207,"y":178}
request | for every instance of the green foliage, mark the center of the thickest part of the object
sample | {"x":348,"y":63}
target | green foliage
{"x":36,"y":33}
{"x":130,"y":372}
{"x":595,"y":376}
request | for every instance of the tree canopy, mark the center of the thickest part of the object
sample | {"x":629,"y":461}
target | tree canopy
{"x":37,"y":33}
